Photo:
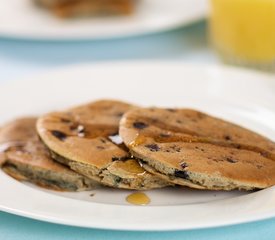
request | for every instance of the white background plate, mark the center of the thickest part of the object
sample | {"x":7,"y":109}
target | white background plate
{"x":246,"y":98}
{"x":20,"y":18}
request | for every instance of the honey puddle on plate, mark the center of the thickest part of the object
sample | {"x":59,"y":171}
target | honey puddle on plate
{"x":138,"y":198}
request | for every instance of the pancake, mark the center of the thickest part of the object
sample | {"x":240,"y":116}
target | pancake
{"x":86,"y":139}
{"x":191,"y":148}
{"x":77,"y":8}
{"x":25,"y":158}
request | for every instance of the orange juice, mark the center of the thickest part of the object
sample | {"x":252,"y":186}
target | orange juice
{"x":243,"y":31}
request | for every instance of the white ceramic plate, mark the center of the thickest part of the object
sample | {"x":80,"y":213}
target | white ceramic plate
{"x":20,"y":18}
{"x":246,"y":98}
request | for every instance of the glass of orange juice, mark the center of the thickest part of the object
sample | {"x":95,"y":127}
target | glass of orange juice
{"x":243,"y":31}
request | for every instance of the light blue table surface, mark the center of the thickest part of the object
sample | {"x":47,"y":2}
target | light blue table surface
{"x":22,"y":58}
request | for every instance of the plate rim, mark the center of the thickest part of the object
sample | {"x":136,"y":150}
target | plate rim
{"x":172,"y":25}
{"x":131,"y":228}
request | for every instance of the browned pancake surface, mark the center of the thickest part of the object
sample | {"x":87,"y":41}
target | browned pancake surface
{"x":191,"y":148}
{"x":25,"y":158}
{"x":74,"y":8}
{"x":86,"y":138}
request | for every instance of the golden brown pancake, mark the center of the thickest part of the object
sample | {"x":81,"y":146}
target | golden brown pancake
{"x":190,"y":148}
{"x":24,"y":157}
{"x":86,"y":139}
{"x":76,"y":8}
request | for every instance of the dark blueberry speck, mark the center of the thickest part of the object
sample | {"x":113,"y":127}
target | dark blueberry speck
{"x":227,"y":138}
{"x":153,"y":147}
{"x":60,"y":135}
{"x":117,"y":180}
{"x":183,"y":164}
{"x":201,"y":149}
{"x":175,"y":148}
{"x":264,"y":154}
{"x":181,"y":174}
{"x":140,"y":125}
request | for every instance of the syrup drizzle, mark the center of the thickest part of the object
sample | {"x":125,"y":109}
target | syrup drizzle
{"x":138,"y":198}
{"x":138,"y":141}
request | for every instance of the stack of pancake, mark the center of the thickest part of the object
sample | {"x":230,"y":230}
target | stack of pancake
{"x":119,"y":145}
{"x":76,"y":8}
